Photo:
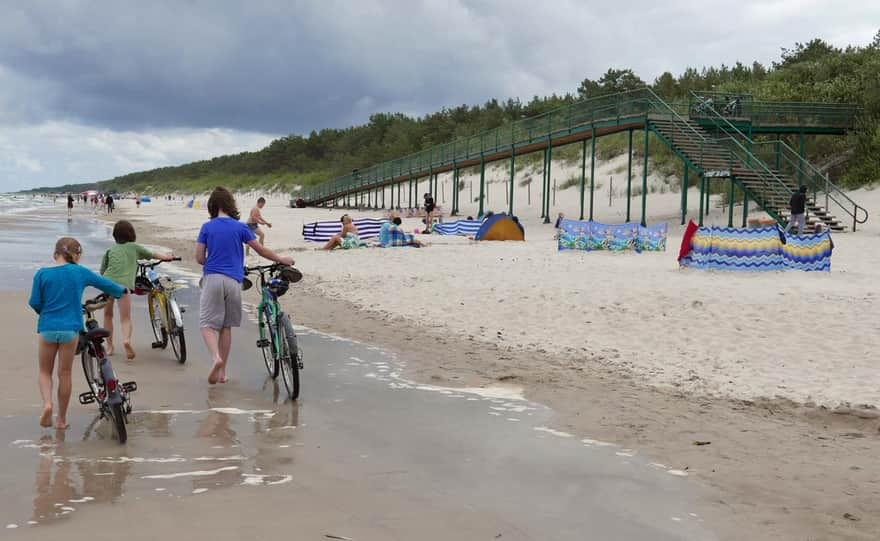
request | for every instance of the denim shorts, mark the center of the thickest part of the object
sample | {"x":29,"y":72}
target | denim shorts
{"x":59,"y":337}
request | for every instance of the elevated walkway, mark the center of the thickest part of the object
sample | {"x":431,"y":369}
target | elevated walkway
{"x":713,"y":137}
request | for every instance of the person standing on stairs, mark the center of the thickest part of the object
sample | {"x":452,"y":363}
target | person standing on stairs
{"x":798,"y":207}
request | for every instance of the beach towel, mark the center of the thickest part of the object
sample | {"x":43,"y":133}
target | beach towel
{"x":756,"y":249}
{"x":396,"y":237}
{"x":324,"y":231}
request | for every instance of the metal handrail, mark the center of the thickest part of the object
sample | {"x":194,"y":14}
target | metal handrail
{"x":800,"y":167}
{"x":818,"y":181}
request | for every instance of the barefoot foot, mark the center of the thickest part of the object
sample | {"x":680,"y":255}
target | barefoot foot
{"x":216,"y":370}
{"x":129,"y":351}
{"x":61,"y":424}
{"x":46,"y":418}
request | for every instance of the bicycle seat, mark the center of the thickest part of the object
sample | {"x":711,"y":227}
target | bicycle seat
{"x":94,"y":334}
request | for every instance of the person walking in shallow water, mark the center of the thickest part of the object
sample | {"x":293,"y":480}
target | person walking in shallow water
{"x":220,"y":250}
{"x":55,"y":296}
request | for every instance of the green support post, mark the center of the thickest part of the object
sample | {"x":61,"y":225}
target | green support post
{"x":702,"y":199}
{"x":399,"y":190}
{"x":778,"y":151}
{"x":549,"y":170}
{"x":708,"y":185}
{"x":592,"y":169}
{"x":645,"y":181}
{"x":583,"y":175}
{"x":455,"y":190}
{"x":629,"y":174}
{"x":730,"y":203}
{"x":482,"y":181}
{"x":512,"y":173}
{"x":543,"y":181}
{"x":684,"y":194}
{"x":745,"y":208}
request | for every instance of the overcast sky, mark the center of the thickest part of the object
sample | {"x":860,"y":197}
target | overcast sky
{"x":93,"y":89}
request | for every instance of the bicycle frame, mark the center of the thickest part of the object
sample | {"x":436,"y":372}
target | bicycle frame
{"x":269,"y":304}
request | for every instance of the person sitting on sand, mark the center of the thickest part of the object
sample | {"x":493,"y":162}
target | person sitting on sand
{"x":120,"y":265}
{"x":220,"y":250}
{"x":55,"y":296}
{"x":345,"y":239}
{"x":392,"y":235}
{"x":254,"y":222}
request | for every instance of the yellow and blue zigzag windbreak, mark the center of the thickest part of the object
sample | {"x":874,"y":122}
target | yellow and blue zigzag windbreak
{"x":756,"y":249}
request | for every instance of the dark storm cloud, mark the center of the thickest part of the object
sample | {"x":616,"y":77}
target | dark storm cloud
{"x":293,"y":66}
{"x":91,"y":89}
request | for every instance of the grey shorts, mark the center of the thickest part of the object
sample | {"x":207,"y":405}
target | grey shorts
{"x":220,"y":302}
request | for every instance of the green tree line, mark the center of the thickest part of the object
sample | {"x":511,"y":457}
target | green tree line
{"x":813,"y":72}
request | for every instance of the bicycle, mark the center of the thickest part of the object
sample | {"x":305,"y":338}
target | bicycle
{"x":104,"y":388}
{"x":166,"y":316}
{"x":277,"y":341}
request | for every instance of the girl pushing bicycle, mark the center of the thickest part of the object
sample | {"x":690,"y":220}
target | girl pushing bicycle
{"x":120,"y":264}
{"x":220,"y":250}
{"x":56,"y":295}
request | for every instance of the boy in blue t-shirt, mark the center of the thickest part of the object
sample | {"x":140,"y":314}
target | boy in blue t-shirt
{"x":220,"y":249}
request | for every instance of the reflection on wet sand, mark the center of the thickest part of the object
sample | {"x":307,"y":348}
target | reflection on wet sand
{"x":231,"y":447}
{"x":57,"y":491}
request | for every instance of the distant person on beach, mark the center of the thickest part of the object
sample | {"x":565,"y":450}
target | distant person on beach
{"x":391,"y":234}
{"x":429,"y":212}
{"x":220,"y":250}
{"x":69,"y":206}
{"x":120,"y":265}
{"x":345,"y":239}
{"x":137,"y":202}
{"x":109,"y":202}
{"x":255,"y":220}
{"x":798,"y":205}
{"x":56,"y":295}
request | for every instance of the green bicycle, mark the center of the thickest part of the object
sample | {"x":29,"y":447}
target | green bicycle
{"x":278,"y":343}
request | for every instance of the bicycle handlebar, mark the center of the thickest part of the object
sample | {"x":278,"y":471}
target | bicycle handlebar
{"x":92,"y":305}
{"x":156,"y":263}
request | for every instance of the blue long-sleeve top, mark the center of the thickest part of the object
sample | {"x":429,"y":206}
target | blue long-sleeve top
{"x":56,"y":295}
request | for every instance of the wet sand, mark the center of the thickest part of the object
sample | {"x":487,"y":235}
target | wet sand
{"x":365,"y":454}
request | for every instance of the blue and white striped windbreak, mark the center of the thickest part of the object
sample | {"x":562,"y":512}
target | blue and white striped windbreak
{"x":458,"y":227}
{"x":323,"y":231}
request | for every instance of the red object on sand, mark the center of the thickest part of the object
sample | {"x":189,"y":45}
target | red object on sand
{"x":686,"y":239}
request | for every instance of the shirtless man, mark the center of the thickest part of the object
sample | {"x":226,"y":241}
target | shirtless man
{"x":347,"y":238}
{"x":255,"y":220}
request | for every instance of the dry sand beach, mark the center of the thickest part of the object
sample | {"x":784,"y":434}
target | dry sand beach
{"x":776,"y":370}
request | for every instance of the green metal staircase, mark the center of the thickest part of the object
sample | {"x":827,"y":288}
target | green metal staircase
{"x":709,"y":138}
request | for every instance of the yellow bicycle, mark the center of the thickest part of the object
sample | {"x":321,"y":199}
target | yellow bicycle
{"x":166,"y":316}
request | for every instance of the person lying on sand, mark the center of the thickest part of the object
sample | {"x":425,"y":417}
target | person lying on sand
{"x":345,"y":239}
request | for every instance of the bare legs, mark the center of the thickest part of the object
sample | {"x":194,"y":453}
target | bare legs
{"x":125,"y":319}
{"x":260,"y":238}
{"x":219,"y":344}
{"x":334,"y":241}
{"x":47,"y":352}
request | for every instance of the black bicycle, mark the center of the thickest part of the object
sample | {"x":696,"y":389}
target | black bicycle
{"x":105,"y":390}
{"x":277,"y":339}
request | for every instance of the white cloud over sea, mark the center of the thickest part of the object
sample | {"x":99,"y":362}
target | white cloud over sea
{"x":133,"y":85}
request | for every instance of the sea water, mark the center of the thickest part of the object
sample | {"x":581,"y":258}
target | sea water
{"x":29,"y":228}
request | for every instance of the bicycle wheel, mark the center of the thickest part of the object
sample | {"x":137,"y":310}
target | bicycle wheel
{"x":117,"y":413}
{"x":268,"y":333}
{"x":156,"y":323}
{"x":175,"y":336}
{"x":91,"y":370}
{"x":290,"y":357}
